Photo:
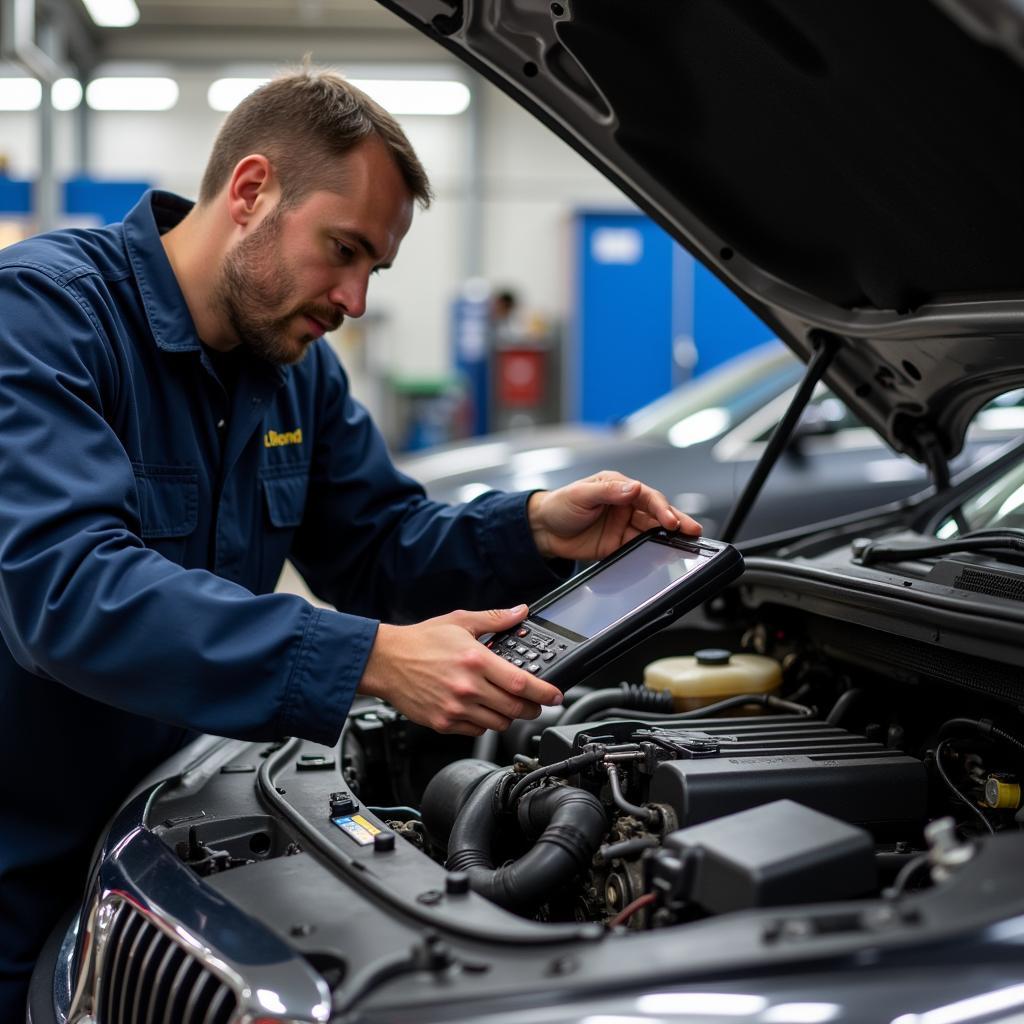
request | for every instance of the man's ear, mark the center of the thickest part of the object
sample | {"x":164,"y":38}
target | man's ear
{"x":252,"y":190}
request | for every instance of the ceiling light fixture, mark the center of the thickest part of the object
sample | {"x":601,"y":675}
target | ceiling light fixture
{"x":226,"y":93}
{"x":66,"y":94}
{"x":398,"y":95}
{"x":131,"y":93}
{"x":112,"y":13}
{"x":408,"y":96}
{"x":20,"y":93}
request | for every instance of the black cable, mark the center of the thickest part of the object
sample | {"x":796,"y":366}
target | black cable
{"x":624,"y":695}
{"x":981,"y":725}
{"x":949,"y":782}
{"x":626,"y":849}
{"x":764,"y":699}
{"x":566,"y":767}
{"x":645,"y":814}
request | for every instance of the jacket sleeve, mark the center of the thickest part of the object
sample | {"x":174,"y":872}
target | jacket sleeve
{"x":373,"y":544}
{"x":85,"y":603}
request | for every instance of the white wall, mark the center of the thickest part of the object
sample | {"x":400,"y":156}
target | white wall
{"x":531,"y":182}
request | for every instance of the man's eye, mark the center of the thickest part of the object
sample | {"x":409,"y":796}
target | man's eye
{"x":346,"y":252}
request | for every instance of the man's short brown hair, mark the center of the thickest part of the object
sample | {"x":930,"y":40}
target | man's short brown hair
{"x":302,"y":121}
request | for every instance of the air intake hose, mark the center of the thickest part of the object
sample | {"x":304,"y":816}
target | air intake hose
{"x":569,"y":824}
{"x":634,"y":698}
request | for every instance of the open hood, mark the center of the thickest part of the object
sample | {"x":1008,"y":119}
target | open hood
{"x":850,"y":168}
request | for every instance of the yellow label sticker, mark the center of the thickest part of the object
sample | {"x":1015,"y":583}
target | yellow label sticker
{"x":356,"y":827}
{"x":368,"y":825}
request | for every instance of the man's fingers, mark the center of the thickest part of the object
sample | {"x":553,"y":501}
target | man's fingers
{"x":477,"y":714}
{"x":523,"y":685}
{"x":493,"y":620}
{"x":687,"y":523}
{"x":653,"y":503}
{"x":510,"y":706}
{"x":609,"y":488}
{"x":461,"y":728}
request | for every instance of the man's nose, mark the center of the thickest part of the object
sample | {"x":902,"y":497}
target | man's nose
{"x":349,"y":294}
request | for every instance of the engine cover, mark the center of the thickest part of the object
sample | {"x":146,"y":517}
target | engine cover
{"x":770,"y":758}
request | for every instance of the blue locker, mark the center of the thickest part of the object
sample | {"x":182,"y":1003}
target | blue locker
{"x":647,"y":316}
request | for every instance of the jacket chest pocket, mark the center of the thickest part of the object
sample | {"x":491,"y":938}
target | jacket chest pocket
{"x":285,"y":498}
{"x":284,"y":503}
{"x":168,"y":506}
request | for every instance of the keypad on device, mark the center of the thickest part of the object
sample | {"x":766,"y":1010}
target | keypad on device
{"x":526,"y":647}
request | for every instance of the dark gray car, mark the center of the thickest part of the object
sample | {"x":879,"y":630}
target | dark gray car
{"x":842,"y":843}
{"x":700,"y":443}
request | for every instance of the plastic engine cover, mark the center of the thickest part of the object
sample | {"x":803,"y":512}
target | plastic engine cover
{"x":773,"y":855}
{"x":772,"y":758}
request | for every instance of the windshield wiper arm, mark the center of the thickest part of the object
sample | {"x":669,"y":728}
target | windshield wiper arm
{"x":1006,"y":542}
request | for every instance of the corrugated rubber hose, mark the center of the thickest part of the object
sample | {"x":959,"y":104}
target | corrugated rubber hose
{"x":569,"y":824}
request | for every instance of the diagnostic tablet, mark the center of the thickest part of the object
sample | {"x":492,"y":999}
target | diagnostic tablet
{"x":615,"y":603}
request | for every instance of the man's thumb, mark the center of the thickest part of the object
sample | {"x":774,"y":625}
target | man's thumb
{"x":495,"y":619}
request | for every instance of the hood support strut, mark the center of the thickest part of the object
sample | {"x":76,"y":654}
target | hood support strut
{"x":938,"y":466}
{"x":825,"y":347}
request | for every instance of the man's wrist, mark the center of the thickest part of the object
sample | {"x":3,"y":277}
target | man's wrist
{"x":534,"y":517}
{"x":376,"y":672}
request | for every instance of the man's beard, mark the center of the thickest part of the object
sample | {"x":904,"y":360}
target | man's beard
{"x":253,"y":284}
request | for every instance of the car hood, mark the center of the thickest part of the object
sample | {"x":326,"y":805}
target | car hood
{"x":852,"y":169}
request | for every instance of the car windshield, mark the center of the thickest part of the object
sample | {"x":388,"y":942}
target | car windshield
{"x":998,"y":507}
{"x":709,"y":406}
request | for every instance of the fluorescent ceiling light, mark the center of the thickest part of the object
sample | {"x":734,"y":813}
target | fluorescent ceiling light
{"x":131,"y":93}
{"x":20,"y":93}
{"x":397,"y":95}
{"x":112,"y":13}
{"x":66,"y":94}
{"x":226,"y":93}
{"x":406,"y":96}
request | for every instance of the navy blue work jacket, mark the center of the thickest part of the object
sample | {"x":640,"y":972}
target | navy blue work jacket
{"x":145,"y":514}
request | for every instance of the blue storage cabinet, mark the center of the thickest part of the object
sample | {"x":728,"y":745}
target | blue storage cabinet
{"x":643,"y":306}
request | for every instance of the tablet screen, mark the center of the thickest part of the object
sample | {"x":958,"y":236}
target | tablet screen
{"x":619,"y":589}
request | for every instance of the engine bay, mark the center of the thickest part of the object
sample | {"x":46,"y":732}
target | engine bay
{"x":622,"y":811}
{"x":838,"y":798}
{"x":647,"y":819}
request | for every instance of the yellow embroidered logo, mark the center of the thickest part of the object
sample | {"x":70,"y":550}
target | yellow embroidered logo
{"x":274,"y":439}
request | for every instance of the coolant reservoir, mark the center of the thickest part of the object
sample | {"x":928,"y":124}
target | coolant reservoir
{"x":712,"y":674}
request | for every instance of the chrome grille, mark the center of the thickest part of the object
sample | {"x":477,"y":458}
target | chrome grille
{"x":146,"y":977}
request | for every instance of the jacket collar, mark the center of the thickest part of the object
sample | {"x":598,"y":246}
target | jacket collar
{"x":166,"y":310}
{"x":165,"y":306}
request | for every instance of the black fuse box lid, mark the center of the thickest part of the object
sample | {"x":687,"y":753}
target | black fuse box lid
{"x":777,"y":854}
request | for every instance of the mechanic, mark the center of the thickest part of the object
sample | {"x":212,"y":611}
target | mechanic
{"x":174,"y":426}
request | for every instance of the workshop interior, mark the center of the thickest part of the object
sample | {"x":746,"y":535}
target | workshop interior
{"x":763,"y":255}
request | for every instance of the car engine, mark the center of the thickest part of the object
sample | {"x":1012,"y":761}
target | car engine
{"x":623,"y":810}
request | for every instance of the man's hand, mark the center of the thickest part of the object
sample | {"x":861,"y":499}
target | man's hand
{"x":591,"y":518}
{"x":437,"y":673}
